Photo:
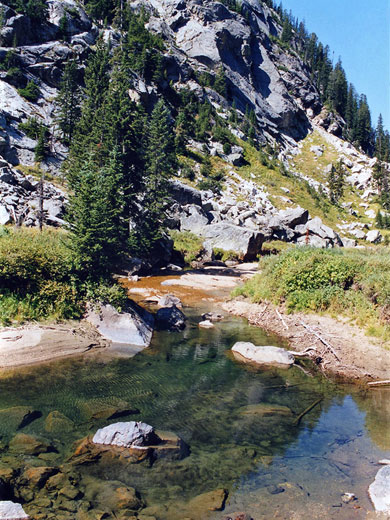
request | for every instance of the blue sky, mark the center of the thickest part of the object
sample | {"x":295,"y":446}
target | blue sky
{"x":359,"y":32}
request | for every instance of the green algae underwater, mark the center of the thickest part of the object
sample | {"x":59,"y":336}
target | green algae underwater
{"x":249,"y":449}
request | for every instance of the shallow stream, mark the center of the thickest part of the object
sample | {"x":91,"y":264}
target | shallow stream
{"x":272,"y":465}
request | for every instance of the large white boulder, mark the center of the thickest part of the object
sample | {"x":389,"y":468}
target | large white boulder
{"x":374,"y":236}
{"x":12,"y":511}
{"x":134,"y":327}
{"x":125,"y":434}
{"x":265,"y":355}
{"x":379,"y":490}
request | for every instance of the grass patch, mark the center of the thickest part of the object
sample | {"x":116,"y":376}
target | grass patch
{"x":188,"y":244}
{"x":355,"y":284}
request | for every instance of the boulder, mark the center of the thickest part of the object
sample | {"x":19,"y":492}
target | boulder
{"x":169,"y":300}
{"x":184,"y":194}
{"x":313,"y":241}
{"x":126,"y":434}
{"x":374,"y":236}
{"x":133,"y":327}
{"x":211,"y":501}
{"x":348,"y":242}
{"x":264,"y":355}
{"x":317,"y":150}
{"x":206,"y":324}
{"x":212,"y":316}
{"x":379,"y":490}
{"x":244,"y":241}
{"x":193,"y":219}
{"x":12,"y":511}
{"x":293,"y":217}
{"x":5,"y":217}
{"x":170,"y":318}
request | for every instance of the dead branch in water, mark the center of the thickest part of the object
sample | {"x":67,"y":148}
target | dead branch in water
{"x":281,"y":319}
{"x":303,"y":354}
{"x":308,"y":409}
{"x":326,"y":343}
{"x":379,"y":383}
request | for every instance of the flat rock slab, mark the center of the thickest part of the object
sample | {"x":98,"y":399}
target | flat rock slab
{"x":32,"y":344}
{"x":266,"y":355}
{"x":12,"y":511}
{"x":133,"y":327}
{"x":379,"y":490}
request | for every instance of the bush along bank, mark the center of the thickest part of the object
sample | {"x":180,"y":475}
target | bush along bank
{"x":38,"y":278}
{"x":350,"y":283}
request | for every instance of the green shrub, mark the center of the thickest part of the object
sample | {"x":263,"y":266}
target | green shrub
{"x":344,"y":282}
{"x":30,"y":92}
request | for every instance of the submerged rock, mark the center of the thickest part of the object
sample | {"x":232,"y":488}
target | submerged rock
{"x":265,"y":409}
{"x":18,"y":417}
{"x":133,"y":327}
{"x":211,"y":501}
{"x":379,"y":490}
{"x":56,"y":422}
{"x":266,"y":355}
{"x":12,"y":511}
{"x":113,"y":408}
{"x":169,"y":300}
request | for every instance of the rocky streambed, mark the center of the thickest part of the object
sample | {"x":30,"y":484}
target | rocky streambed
{"x":233,"y":440}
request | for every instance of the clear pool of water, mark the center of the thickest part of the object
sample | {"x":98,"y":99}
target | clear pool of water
{"x":190,"y":384}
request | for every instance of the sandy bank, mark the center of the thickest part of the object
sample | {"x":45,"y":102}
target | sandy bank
{"x":344,"y":349}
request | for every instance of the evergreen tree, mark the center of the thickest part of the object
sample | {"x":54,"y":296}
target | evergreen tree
{"x":98,"y":232}
{"x":161,"y":164}
{"x":220,"y":82}
{"x":338,"y":89}
{"x":287,"y":31}
{"x":363,"y":130}
{"x":336,"y":182}
{"x":380,"y":140}
{"x":68,"y":100}
{"x":89,"y":133}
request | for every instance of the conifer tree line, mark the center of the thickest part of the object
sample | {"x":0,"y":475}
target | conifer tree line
{"x":120,"y":157}
{"x":331,"y":81}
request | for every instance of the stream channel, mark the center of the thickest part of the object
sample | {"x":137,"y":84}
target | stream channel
{"x":239,"y":422}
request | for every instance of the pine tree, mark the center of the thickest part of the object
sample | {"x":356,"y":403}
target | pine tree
{"x":363,"y":130}
{"x":336,"y":182}
{"x":68,"y":100}
{"x":98,"y":231}
{"x":220,"y":82}
{"x":161,"y":164}
{"x":380,"y":139}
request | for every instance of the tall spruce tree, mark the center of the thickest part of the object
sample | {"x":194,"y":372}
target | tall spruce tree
{"x":161,"y":164}
{"x":68,"y":100}
{"x":95,"y":215}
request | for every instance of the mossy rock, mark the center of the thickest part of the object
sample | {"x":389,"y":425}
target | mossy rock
{"x":17,"y":417}
{"x":106,"y":409}
{"x":56,"y":422}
